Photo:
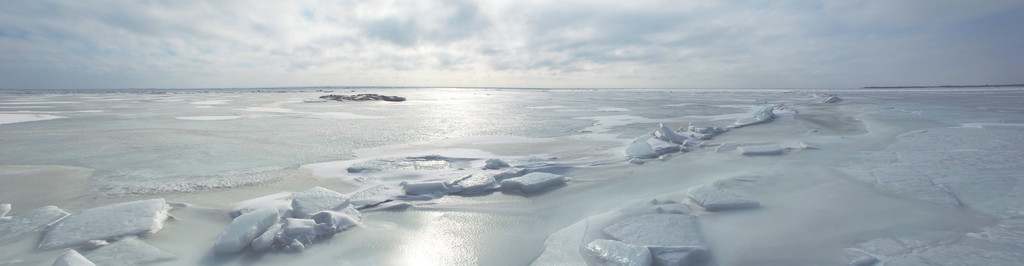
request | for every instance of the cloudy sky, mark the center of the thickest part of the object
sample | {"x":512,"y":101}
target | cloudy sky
{"x":510,"y":43}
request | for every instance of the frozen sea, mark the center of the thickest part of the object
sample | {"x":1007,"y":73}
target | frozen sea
{"x":881,"y":177}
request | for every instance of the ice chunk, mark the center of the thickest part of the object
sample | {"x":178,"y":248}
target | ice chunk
{"x":296,"y":246}
{"x":666,"y":134}
{"x":427,"y":187}
{"x":657,"y":230}
{"x":714,"y":198}
{"x":4,"y":208}
{"x":15,"y":227}
{"x":832,"y":99}
{"x":430,"y":162}
{"x":495,"y":164}
{"x":761,"y":115}
{"x":128,"y":251}
{"x":332,"y":222}
{"x":754,"y":150}
{"x":72,"y":258}
{"x":244,"y":229}
{"x":303,"y":230}
{"x":476,"y":184}
{"x":682,"y":255}
{"x":533,"y":182}
{"x":639,"y":148}
{"x":617,"y":253}
{"x":662,"y":147}
{"x":703,"y":133}
{"x":266,"y":240}
{"x":135,"y":218}
{"x":317,"y":199}
{"x":509,"y":174}
{"x":808,"y":146}
{"x":281,"y":201}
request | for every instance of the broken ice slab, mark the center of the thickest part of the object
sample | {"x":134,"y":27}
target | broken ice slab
{"x":648,"y":146}
{"x":476,"y":184}
{"x":612,"y":252}
{"x":657,"y":230}
{"x":243,"y":229}
{"x":316,"y":199}
{"x":666,"y":134}
{"x":4,"y":208}
{"x":662,"y":147}
{"x":426,"y":187}
{"x":755,"y":150}
{"x":533,"y":182}
{"x":128,"y":251}
{"x":266,"y":240}
{"x":713,"y":198}
{"x":281,"y":201}
{"x":332,"y":222}
{"x":303,"y":230}
{"x":15,"y":227}
{"x":808,"y":146}
{"x":430,"y":162}
{"x":135,"y":218}
{"x":761,"y":115}
{"x":72,"y":258}
{"x":515,"y":172}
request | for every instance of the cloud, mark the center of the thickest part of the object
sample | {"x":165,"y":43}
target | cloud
{"x":76,"y":44}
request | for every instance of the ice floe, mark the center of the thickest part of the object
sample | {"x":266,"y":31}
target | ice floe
{"x":128,"y":251}
{"x":714,"y":198}
{"x":244,"y":229}
{"x":281,"y":201}
{"x":612,"y":252}
{"x":136,"y":218}
{"x":758,"y":150}
{"x":475,"y":184}
{"x":4,"y":208}
{"x":533,"y":182}
{"x":19,"y":225}
{"x":314,"y":200}
{"x":72,"y":258}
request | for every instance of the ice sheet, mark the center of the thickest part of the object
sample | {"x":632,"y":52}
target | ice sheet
{"x":136,"y":218}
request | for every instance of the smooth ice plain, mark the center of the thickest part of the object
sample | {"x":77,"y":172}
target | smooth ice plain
{"x":513,"y":177}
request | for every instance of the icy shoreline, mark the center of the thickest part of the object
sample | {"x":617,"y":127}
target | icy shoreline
{"x":822,"y":182}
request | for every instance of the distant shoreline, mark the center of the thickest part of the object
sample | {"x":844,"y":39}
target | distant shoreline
{"x":944,"y":86}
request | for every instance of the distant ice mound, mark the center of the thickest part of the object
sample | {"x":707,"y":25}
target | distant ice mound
{"x":136,"y":218}
{"x":664,"y":140}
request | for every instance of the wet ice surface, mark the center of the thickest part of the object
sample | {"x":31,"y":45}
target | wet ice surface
{"x":900,"y":177}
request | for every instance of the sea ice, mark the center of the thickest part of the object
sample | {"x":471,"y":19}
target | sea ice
{"x":495,"y":164}
{"x":657,"y":230}
{"x":281,"y":201}
{"x":426,"y":187}
{"x":515,"y":172}
{"x":640,"y":148}
{"x":666,"y":134}
{"x":476,"y":184}
{"x":661,"y":147}
{"x":429,"y":162}
{"x":303,"y":230}
{"x":682,"y":255}
{"x":4,"y":208}
{"x":761,"y":115}
{"x":266,"y":240}
{"x":613,"y":252}
{"x":533,"y":182}
{"x":756,"y":150}
{"x":72,"y":258}
{"x":317,"y":199}
{"x":243,"y":229}
{"x":713,"y":198}
{"x":331,"y":222}
{"x":15,"y":227}
{"x":135,"y":218}
{"x":128,"y":251}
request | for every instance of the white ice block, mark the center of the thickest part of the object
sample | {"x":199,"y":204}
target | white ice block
{"x":15,"y":227}
{"x":281,"y":201}
{"x":317,"y":199}
{"x":4,"y":208}
{"x":533,"y":182}
{"x":613,"y":252}
{"x":657,"y":230}
{"x":244,"y":229}
{"x":761,"y":115}
{"x":136,"y":218}
{"x":266,"y":240}
{"x":72,"y":258}
{"x":666,"y":134}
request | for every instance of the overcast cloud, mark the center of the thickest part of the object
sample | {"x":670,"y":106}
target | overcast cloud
{"x":669,"y":44}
